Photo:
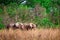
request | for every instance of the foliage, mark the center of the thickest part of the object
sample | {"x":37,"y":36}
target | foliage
{"x":1,"y":24}
{"x":41,"y":12}
{"x":1,"y":11}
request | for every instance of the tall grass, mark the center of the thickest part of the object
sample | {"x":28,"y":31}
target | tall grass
{"x":38,"y":34}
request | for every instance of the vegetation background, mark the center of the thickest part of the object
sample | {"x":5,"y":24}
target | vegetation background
{"x":44,"y":13}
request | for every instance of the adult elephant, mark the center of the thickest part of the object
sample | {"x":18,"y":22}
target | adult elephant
{"x":19,"y":25}
{"x":29,"y":26}
{"x":33,"y":26}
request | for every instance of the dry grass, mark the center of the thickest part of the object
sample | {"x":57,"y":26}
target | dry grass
{"x":38,"y":34}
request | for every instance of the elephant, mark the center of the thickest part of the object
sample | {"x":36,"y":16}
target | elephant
{"x":28,"y":26}
{"x":19,"y":25}
{"x":10,"y":25}
{"x":22,"y":26}
{"x":33,"y":26}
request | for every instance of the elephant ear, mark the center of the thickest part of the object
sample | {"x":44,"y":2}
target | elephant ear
{"x":21,"y":24}
{"x":11,"y":24}
{"x":17,"y":24}
{"x":34,"y":25}
{"x":31,"y":25}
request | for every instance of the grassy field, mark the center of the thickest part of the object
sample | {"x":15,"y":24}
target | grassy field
{"x":38,"y":34}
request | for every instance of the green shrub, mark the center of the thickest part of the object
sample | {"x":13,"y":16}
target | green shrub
{"x":1,"y":10}
{"x":1,"y":24}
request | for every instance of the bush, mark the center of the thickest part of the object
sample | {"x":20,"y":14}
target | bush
{"x":1,"y":11}
{"x":1,"y":24}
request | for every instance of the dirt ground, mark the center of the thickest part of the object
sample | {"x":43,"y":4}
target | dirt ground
{"x":37,"y":34}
